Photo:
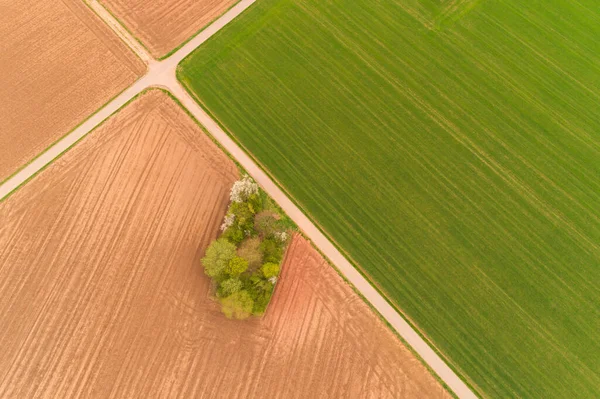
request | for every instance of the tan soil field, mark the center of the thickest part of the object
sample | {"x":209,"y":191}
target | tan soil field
{"x":59,"y":64}
{"x":163,"y":25}
{"x":103,"y":294}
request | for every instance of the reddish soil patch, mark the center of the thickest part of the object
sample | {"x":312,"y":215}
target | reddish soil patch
{"x":103,"y":293}
{"x":60,"y":63}
{"x":329,"y":342}
{"x":164,"y":25}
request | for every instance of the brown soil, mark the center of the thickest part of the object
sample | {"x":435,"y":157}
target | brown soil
{"x":331,"y":343}
{"x":59,"y":63}
{"x":164,"y":25}
{"x":103,"y":294}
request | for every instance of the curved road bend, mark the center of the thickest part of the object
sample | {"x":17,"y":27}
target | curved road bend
{"x":163,"y":74}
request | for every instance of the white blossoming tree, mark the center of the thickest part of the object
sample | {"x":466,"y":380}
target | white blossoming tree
{"x":227,"y":221}
{"x":243,"y":189}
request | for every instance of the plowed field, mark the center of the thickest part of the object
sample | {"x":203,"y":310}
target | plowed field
{"x":59,"y":63}
{"x":324,"y":341}
{"x":103,"y":294}
{"x":164,"y":25}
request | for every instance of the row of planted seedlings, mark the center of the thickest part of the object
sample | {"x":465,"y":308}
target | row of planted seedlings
{"x":245,"y":260}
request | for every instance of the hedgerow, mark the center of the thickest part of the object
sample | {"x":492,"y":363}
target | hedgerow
{"x":245,"y":261}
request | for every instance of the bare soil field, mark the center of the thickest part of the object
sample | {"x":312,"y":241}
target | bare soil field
{"x":326,"y":342}
{"x":164,"y":25}
{"x":59,"y":64}
{"x":103,"y":294}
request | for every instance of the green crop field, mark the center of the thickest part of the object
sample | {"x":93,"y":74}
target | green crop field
{"x":452,"y":150}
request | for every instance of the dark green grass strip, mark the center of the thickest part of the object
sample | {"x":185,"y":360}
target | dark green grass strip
{"x":459,"y":167}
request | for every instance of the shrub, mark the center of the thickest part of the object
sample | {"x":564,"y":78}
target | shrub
{"x":260,"y":290}
{"x":258,"y":283}
{"x":250,"y":250}
{"x":254,"y":203}
{"x":242,"y":212}
{"x":255,"y":280}
{"x":237,"y":265}
{"x":270,"y":270}
{"x":272,"y":252}
{"x":244,"y":218}
{"x":217,"y":257}
{"x":234,"y":235}
{"x":261,"y":303}
{"x":265,"y":224}
{"x":238,"y":305}
{"x":230,"y":286}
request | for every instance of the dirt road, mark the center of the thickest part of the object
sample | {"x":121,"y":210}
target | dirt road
{"x":163,"y":74}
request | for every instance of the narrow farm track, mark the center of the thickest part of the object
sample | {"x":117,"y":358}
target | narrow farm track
{"x":163,"y":25}
{"x":163,"y":74}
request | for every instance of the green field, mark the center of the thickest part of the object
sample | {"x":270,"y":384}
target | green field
{"x":452,"y":151}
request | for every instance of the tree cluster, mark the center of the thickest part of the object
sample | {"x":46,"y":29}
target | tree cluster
{"x":244,"y":262}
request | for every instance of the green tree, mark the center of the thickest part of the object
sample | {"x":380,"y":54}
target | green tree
{"x":230,"y":286}
{"x":234,"y":234}
{"x":217,"y":257}
{"x":238,"y":305}
{"x":272,"y":251}
{"x":237,"y":265}
{"x":270,"y":270}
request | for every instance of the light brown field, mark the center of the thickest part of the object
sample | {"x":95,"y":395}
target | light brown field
{"x":103,"y":294}
{"x":59,"y":64}
{"x":164,"y":25}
